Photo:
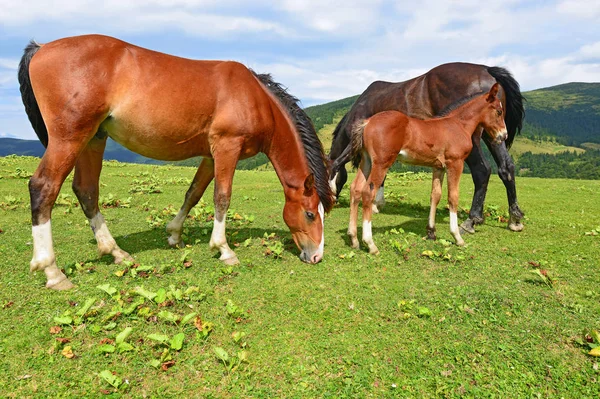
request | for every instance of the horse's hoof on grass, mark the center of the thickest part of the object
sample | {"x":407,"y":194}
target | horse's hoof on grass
{"x":121,"y":256}
{"x":231,"y":261}
{"x":173,"y":243}
{"x":467,"y":227}
{"x":460,"y":243}
{"x":516,"y":227}
{"x":61,"y":285}
{"x":374,"y":208}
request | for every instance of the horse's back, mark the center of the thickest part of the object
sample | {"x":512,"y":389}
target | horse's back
{"x":158,"y":105}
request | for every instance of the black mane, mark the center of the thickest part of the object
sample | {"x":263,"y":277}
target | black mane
{"x":313,"y":149}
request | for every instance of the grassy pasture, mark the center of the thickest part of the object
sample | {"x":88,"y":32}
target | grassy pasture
{"x":423,"y":319}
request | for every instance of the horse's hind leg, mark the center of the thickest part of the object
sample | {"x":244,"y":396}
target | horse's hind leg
{"x":203,"y":177}
{"x":379,"y":201}
{"x":369,"y":192}
{"x":355,"y":195}
{"x":85,"y":187}
{"x":44,"y":186}
{"x":436,"y":194}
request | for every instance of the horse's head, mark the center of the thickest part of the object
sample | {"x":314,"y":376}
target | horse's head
{"x":493,"y":116}
{"x":304,"y":215}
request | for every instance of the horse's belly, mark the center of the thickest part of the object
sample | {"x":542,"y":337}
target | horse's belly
{"x":412,"y":158}
{"x":157,"y":142}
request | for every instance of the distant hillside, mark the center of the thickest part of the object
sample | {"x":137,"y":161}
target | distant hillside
{"x":570,"y":112}
{"x":114,"y":151}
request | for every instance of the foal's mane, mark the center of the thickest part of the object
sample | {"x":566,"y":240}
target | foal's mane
{"x":313,"y":149}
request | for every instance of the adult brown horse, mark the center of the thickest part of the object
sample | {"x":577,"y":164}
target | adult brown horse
{"x":427,"y":96}
{"x":78,"y":91}
{"x":441,"y":143}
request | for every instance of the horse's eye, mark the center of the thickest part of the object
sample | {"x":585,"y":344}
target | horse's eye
{"x":499,"y":112}
{"x":310,"y":215}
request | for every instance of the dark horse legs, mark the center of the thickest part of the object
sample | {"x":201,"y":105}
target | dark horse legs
{"x":480,"y":172}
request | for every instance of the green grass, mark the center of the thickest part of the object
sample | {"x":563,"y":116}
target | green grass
{"x":473,"y":322}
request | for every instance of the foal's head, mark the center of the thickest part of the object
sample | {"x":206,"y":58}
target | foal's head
{"x":304,"y":214}
{"x":493,"y":116}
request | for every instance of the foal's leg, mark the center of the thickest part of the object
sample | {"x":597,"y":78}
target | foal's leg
{"x":85,"y":187}
{"x":436,"y":194}
{"x":368,"y":194}
{"x":480,"y":172}
{"x":355,"y":194}
{"x":454,"y":171}
{"x":44,"y":186}
{"x":506,"y":171}
{"x":203,"y":177}
{"x":225,"y":161}
{"x":379,"y":201}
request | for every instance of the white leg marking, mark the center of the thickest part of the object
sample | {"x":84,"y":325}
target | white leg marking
{"x":44,"y":258}
{"x":367,"y":232}
{"x":43,"y":250}
{"x":432,"y":216}
{"x":218,"y":240}
{"x":174,"y":228}
{"x":332,"y":182}
{"x":322,"y":244}
{"x":454,"y":229}
{"x":106,"y":243}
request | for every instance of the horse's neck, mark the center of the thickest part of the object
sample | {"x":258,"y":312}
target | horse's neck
{"x":286,"y":153}
{"x":469,"y":116}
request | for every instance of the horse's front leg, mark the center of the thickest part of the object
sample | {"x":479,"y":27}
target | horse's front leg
{"x":225,"y":160}
{"x":480,"y":172}
{"x":436,"y":194}
{"x":454,"y":171}
{"x":204,"y":175}
{"x":506,"y":171}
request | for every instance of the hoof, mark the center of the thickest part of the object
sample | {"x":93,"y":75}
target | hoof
{"x":374,"y":251}
{"x":460,"y":243}
{"x":61,"y":285}
{"x":176,"y":243}
{"x":231,"y":261}
{"x":431,"y":234}
{"x":354,"y":243}
{"x":374,"y":208}
{"x":121,"y":256}
{"x":515,"y":227}
{"x":467,"y":227}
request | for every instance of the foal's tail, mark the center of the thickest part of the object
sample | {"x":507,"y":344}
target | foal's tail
{"x":356,"y":141}
{"x":31,"y":106}
{"x":515,"y":112}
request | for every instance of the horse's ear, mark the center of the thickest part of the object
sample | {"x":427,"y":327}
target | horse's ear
{"x":493,"y":93}
{"x":309,"y":184}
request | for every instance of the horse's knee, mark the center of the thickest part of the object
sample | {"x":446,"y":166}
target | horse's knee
{"x":507,"y":172}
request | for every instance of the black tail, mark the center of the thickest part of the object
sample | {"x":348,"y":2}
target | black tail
{"x":313,"y":149}
{"x":356,"y":142}
{"x":515,"y":112}
{"x":27,"y":95}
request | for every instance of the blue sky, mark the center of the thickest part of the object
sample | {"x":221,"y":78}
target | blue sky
{"x":322,"y":50}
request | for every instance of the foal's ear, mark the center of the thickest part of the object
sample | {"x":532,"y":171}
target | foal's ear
{"x":493,"y":93}
{"x":309,"y":184}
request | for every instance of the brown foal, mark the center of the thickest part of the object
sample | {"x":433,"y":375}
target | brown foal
{"x":80,"y":90}
{"x":442,"y":143}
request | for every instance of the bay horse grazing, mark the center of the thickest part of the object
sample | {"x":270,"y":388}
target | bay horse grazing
{"x":427,"y":96}
{"x":442,"y":143}
{"x":78,"y":91}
